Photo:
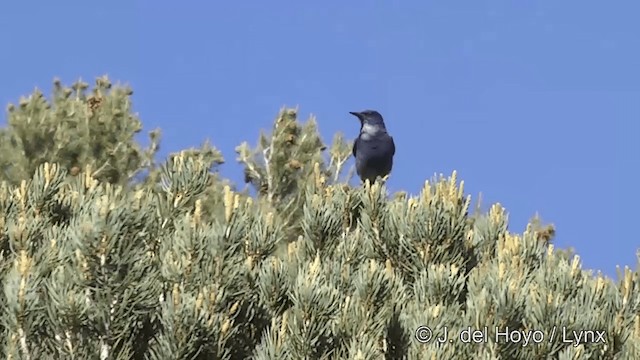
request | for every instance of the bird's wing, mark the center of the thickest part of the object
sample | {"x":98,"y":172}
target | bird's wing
{"x":355,"y":145}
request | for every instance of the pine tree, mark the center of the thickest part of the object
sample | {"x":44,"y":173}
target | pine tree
{"x":106,"y":253}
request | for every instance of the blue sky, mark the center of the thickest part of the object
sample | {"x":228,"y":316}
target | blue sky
{"x":535,"y":104}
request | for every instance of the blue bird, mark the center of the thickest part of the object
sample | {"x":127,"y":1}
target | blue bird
{"x":374,"y":148}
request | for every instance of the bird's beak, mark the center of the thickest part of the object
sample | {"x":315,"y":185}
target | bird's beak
{"x":356,"y":114}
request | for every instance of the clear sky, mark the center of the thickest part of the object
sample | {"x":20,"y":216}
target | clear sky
{"x":535,"y":104}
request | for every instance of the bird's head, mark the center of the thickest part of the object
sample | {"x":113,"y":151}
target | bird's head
{"x":369,"y":118}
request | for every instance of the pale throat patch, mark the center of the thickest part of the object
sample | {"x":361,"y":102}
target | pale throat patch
{"x":369,"y":131}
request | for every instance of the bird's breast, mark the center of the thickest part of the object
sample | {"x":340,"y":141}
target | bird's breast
{"x":374,"y":146}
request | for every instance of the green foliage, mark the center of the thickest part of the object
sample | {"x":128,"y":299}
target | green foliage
{"x":178,"y":264}
{"x":281,"y":164}
{"x":75,"y":128}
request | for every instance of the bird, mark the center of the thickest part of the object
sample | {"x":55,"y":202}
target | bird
{"x":374,"y":148}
